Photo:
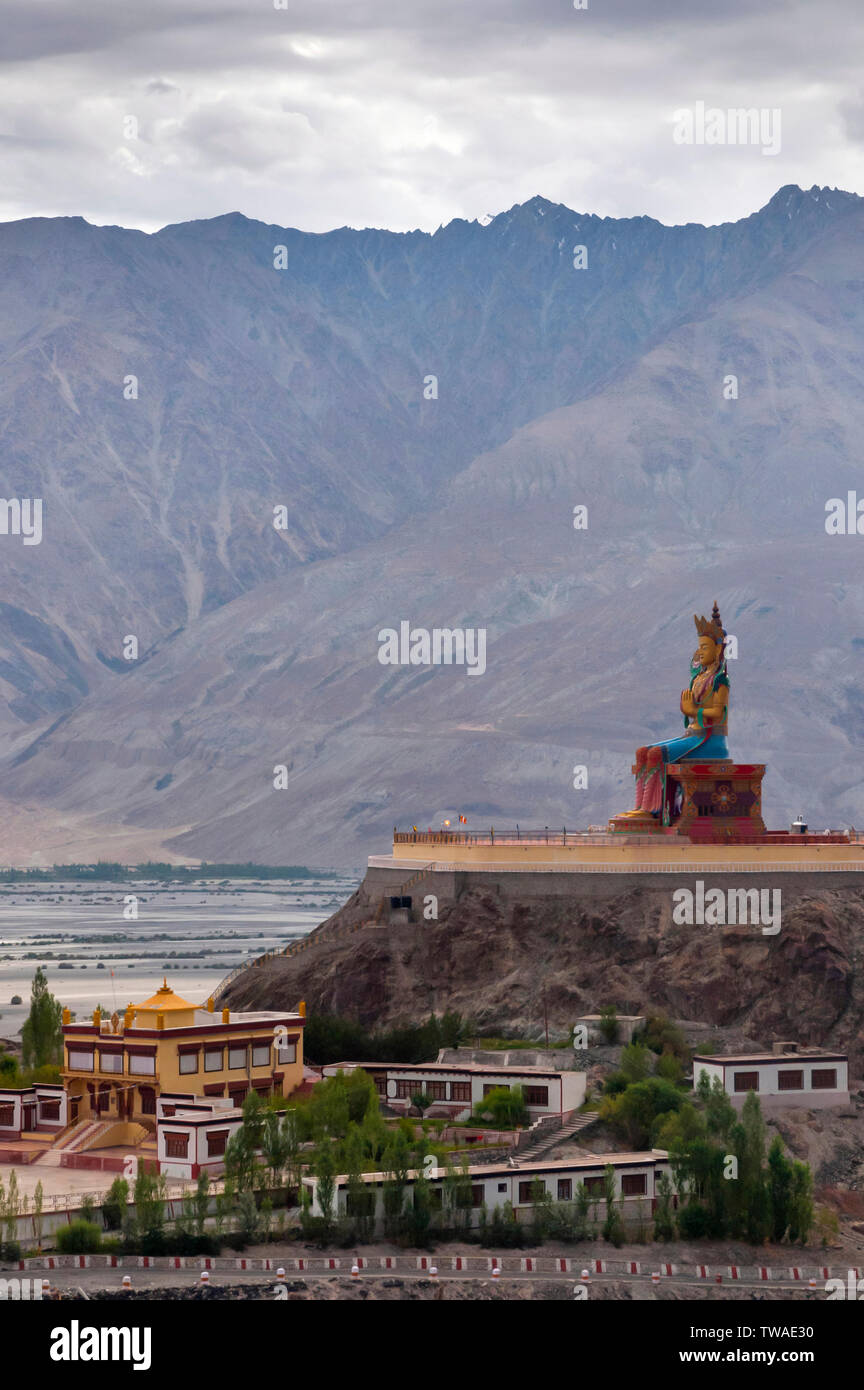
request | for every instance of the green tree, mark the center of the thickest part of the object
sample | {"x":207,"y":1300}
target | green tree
{"x":503,"y":1107}
{"x":420,"y":1209}
{"x":38,"y":1202}
{"x":324,"y":1167}
{"x":669,"y":1068}
{"x":750,"y":1192}
{"x":664,"y":1220}
{"x":720,"y":1115}
{"x":452,"y":1029}
{"x":636,"y":1062}
{"x":360,"y":1198}
{"x":201,"y":1201}
{"x":149,"y":1199}
{"x":613,"y":1225}
{"x":397,"y":1161}
{"x":278,"y":1143}
{"x":241,"y":1162}
{"x":115,"y":1204}
{"x":42,"y":1034}
{"x":634,"y":1113}
{"x":457,"y":1196}
{"x":609,"y":1027}
{"x":780,"y":1187}
{"x":801,"y":1213}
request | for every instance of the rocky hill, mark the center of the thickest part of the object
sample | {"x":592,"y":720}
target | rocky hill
{"x":503,"y":961}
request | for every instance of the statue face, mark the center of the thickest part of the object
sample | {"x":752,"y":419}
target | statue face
{"x":707,"y":651}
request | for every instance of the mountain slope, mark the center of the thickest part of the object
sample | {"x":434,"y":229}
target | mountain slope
{"x":556,"y":387}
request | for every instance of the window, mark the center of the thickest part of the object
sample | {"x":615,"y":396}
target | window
{"x":111,"y":1061}
{"x":381,"y":1085}
{"x":405,"y":1089}
{"x":477,"y":1195}
{"x":49,"y":1110}
{"x":236,"y":1058}
{"x":461,"y":1090}
{"x":188,"y":1063}
{"x":148,"y":1100}
{"x":7,"y":1116}
{"x":502,"y":1187}
{"x":436,"y":1198}
{"x":436,"y":1090}
{"x":495,"y":1086}
{"x":261,"y":1055}
{"x":565,"y":1189}
{"x":363,"y":1203}
{"x":287,"y":1053}
{"x":531,"y":1191}
{"x":213,"y":1058}
{"x":536,"y":1095}
{"x":141,"y":1066}
{"x":80,"y":1061}
{"x":823,"y":1079}
{"x":595,"y":1186}
{"x":216,"y":1141}
{"x":176,"y":1145}
{"x":634,"y":1185}
{"x":790,"y":1080}
{"x":746,"y":1081}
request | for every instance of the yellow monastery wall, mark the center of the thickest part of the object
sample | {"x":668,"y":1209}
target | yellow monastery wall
{"x":642,"y":851}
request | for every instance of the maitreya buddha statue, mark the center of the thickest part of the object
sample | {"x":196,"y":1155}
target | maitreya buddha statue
{"x":705,"y":707}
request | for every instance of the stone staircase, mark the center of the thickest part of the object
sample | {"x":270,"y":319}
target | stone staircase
{"x":81,"y":1136}
{"x":549,"y":1138}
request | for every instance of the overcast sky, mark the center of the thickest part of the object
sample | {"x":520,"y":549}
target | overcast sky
{"x":407,"y":113}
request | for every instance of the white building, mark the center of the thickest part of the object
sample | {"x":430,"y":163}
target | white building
{"x":37,"y":1109}
{"x":494,"y":1184}
{"x":455,"y":1089}
{"x":786,"y":1076}
{"x":191,"y":1134}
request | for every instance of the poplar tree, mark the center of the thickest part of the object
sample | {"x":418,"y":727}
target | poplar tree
{"x":42,"y":1034}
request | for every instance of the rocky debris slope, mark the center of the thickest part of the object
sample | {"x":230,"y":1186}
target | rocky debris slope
{"x":503,"y":962}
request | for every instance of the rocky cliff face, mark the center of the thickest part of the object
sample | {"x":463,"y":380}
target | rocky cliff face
{"x":503,"y":961}
{"x":304,"y":388}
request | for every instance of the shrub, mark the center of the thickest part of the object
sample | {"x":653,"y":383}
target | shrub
{"x":505,"y":1108}
{"x":662,"y":1035}
{"x":79,"y":1238}
{"x":115,"y":1205}
{"x":693,"y":1222}
{"x":10,"y":1251}
{"x":608,"y":1024}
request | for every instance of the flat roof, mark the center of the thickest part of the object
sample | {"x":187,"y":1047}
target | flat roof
{"x":468,"y":1068}
{"x":737,"y":1058}
{"x":490,"y":1170}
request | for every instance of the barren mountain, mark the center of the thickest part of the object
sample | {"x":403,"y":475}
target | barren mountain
{"x":605,"y":387}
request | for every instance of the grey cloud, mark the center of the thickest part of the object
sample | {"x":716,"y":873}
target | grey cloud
{"x":401,"y":113}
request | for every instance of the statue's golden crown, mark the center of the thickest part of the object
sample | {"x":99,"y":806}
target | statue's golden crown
{"x":710,"y":627}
